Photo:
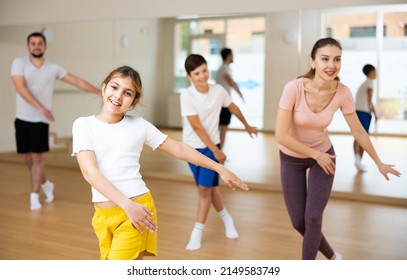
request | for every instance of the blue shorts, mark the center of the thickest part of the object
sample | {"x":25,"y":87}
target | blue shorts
{"x":365,"y":118}
{"x":203,"y":176}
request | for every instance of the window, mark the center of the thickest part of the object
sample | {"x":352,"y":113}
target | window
{"x":245,"y":36}
{"x":369,"y":31}
{"x":377,"y":37}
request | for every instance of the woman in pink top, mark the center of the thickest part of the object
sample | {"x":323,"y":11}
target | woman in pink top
{"x":306,"y":108}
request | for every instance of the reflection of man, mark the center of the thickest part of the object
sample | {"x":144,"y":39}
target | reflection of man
{"x":224,"y":78}
{"x":33,"y":78}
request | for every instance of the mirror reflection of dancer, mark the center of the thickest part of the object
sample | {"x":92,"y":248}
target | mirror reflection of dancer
{"x":364,"y":110}
{"x":33,"y":78}
{"x":225,"y":79}
{"x":307,"y":106}
{"x":200,"y":108}
{"x":108,"y":148}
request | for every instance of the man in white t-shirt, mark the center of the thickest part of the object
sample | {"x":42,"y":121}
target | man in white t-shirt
{"x":364,"y":109}
{"x":33,"y":78}
{"x":225,"y":79}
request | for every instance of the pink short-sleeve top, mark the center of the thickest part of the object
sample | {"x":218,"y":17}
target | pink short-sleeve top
{"x":308,"y":127}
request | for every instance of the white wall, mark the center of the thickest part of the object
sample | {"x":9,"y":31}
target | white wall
{"x":13,"y":12}
{"x":89,"y":50}
{"x":87,"y":42}
{"x":286,"y":61}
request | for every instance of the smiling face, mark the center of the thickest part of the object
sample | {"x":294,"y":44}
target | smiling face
{"x":119,"y":96}
{"x":327,"y":62}
{"x":199,"y":77}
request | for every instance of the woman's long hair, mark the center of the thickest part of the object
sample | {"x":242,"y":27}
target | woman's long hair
{"x":320,"y":44}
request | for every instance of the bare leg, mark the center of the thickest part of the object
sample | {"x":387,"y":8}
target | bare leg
{"x":358,"y":150}
{"x":222,"y":129}
{"x":217,"y":199}
{"x":204,"y":203}
{"x":141,"y":255}
{"x":35,"y":164}
{"x":37,"y":171}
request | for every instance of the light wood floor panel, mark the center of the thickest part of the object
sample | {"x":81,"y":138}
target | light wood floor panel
{"x":62,"y":230}
{"x":359,"y":230}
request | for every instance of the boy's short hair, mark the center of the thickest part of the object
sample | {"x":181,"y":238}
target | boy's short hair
{"x":368,"y":68}
{"x":193,"y":61}
{"x":225,"y":53}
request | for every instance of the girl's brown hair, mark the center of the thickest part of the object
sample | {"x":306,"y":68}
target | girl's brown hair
{"x":124,"y":72}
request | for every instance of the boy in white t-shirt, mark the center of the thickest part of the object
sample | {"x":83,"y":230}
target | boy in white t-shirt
{"x":364,"y":109}
{"x":201,"y":104}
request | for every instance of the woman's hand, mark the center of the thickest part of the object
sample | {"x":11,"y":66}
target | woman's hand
{"x":386,"y":169}
{"x":140,"y":216}
{"x":326,"y":162}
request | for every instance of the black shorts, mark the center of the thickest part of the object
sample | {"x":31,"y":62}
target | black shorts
{"x":225,"y":116}
{"x":31,"y":137}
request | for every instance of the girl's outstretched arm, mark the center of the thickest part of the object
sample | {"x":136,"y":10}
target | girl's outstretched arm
{"x":185,"y":152}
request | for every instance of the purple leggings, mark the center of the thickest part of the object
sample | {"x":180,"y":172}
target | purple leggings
{"x":306,"y":205}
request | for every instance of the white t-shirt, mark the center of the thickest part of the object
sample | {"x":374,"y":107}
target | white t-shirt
{"x":117,"y":149}
{"x":361,"y":96}
{"x":207,"y":106}
{"x":220,"y":76}
{"x":40,"y":81}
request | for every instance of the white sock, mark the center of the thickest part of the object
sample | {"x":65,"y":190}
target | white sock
{"x":230,"y":228}
{"x":35,"y":201}
{"x":48,"y":188}
{"x":196,"y":236}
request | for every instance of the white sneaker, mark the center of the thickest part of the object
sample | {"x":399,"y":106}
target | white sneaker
{"x":48,"y":188}
{"x":338,"y":257}
{"x":35,"y":202}
{"x":360,"y":167}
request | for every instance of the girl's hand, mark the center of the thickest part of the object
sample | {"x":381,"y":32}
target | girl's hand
{"x":325,"y":160}
{"x":232,"y":180}
{"x":140,"y":216}
{"x":386,"y":169}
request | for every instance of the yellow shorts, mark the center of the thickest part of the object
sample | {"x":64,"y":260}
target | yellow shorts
{"x":118,"y":238}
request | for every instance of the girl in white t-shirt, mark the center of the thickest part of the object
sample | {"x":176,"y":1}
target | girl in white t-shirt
{"x":108,"y":148}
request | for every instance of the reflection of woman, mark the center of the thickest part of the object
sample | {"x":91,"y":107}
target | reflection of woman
{"x":307,"y":106}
